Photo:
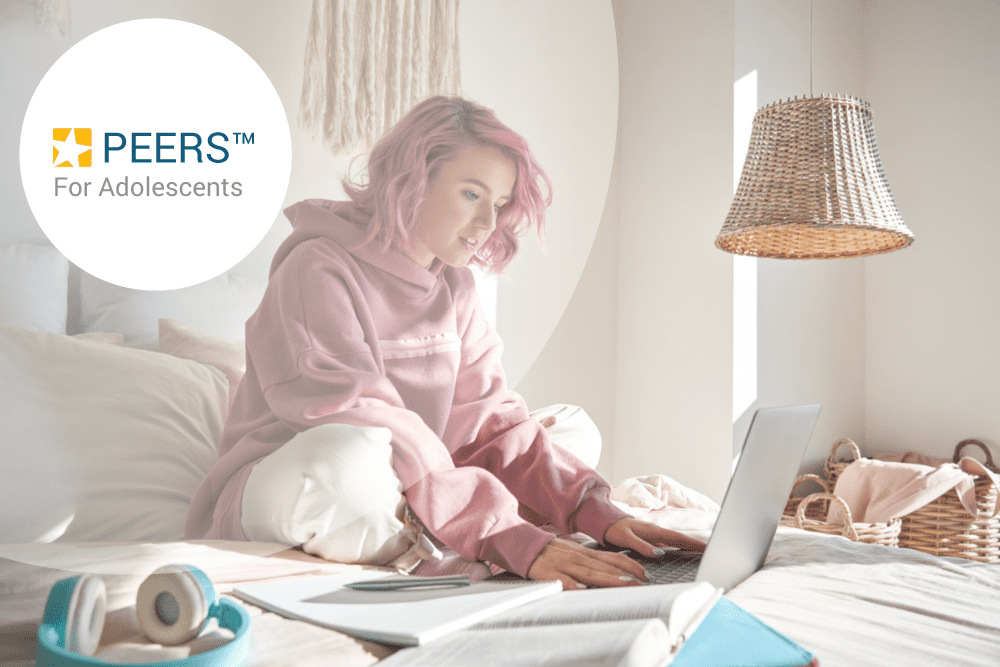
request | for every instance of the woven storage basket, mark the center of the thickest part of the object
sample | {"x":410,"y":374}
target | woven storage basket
{"x":833,"y":466}
{"x":944,"y":527}
{"x":870,"y":533}
{"x":815,"y":511}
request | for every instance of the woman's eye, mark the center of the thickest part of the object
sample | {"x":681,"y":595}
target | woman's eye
{"x":472,"y":196}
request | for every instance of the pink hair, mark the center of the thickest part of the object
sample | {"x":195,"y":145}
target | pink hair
{"x":432,"y":133}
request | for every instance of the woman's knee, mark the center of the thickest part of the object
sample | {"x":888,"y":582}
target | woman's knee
{"x":333,"y":479}
{"x":571,"y":428}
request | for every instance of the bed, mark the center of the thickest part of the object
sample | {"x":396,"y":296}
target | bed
{"x":111,"y":408}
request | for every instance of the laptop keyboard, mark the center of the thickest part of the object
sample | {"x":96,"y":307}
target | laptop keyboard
{"x":670,"y":568}
{"x":672,"y":572}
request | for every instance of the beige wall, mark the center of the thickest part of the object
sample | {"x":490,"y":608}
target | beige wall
{"x":674,"y":374}
{"x":932,"y":73}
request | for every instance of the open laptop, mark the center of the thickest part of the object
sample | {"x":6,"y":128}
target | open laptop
{"x":758,"y":490}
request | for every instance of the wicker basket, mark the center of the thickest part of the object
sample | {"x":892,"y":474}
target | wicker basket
{"x":815,"y":511}
{"x":965,"y":443}
{"x":870,"y":533}
{"x":944,"y":527}
{"x":833,"y":466}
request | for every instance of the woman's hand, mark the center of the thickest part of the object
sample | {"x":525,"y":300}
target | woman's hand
{"x":648,"y":538}
{"x":577,"y":566}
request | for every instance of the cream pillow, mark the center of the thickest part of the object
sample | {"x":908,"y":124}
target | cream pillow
{"x":33,"y":287}
{"x":189,"y":342}
{"x":220,"y":306}
{"x":101,"y":442}
{"x":102,"y":337}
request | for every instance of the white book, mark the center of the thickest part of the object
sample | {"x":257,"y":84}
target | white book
{"x":639,"y":626}
{"x":406,"y":617}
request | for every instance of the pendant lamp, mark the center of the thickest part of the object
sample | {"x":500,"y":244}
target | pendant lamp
{"x":813,"y":185}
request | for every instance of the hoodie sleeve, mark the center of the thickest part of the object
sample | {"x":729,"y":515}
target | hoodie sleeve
{"x":308,"y":344}
{"x":509,"y":443}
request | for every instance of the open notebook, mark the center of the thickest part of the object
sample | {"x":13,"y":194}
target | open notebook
{"x":406,"y":617}
{"x":418,"y":616}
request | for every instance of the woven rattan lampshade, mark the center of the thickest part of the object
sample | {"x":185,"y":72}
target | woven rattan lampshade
{"x":813,"y":185}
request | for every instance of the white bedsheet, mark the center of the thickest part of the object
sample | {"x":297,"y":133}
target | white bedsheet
{"x":852,"y":604}
{"x":859,"y":604}
{"x":856,"y":605}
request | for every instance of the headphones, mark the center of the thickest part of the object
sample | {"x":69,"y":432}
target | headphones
{"x":173,"y":605}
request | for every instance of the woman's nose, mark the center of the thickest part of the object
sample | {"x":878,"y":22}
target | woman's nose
{"x":488,"y":217}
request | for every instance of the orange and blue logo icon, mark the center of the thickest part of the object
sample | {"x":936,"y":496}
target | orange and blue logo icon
{"x":71,"y":146}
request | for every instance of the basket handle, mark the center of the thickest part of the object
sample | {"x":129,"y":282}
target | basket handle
{"x":855,"y":452}
{"x":972,"y":441}
{"x":809,"y":477}
{"x":800,"y":513}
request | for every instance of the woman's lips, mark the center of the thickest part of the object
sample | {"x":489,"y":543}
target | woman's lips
{"x":469,"y":244}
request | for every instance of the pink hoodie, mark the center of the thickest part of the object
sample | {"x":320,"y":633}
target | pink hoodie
{"x":348,"y":334}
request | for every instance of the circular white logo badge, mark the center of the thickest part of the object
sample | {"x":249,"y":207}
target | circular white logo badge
{"x":155,"y":154}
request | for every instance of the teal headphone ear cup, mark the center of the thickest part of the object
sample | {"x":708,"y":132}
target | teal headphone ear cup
{"x":172,"y":605}
{"x":85,"y":615}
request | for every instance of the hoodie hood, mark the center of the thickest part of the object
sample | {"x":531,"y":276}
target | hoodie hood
{"x":343,"y":223}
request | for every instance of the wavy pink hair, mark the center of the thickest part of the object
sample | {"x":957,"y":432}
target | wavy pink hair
{"x":435,"y":131}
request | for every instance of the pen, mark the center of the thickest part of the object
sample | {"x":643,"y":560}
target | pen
{"x":398,"y":582}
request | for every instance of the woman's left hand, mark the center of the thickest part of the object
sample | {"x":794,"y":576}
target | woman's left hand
{"x":648,"y":538}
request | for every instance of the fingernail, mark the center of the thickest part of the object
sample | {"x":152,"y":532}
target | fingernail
{"x":659,"y":551}
{"x":581,"y":585}
{"x":646,"y":574}
{"x":629,"y":577}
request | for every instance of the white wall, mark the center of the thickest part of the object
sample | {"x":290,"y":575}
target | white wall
{"x":932,"y":74}
{"x":550,"y":70}
{"x":578,"y":364}
{"x":674,"y":375}
{"x":810,"y":336}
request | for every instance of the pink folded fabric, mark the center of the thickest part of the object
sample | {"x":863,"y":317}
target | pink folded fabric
{"x":877,"y":491}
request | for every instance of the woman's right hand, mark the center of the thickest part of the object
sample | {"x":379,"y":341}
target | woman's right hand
{"x":578,"y":567}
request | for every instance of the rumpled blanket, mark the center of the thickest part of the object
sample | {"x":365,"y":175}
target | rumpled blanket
{"x":658,"y":492}
{"x":877,"y":491}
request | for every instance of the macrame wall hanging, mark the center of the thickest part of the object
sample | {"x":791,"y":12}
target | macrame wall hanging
{"x":53,"y":14}
{"x":369,"y":61}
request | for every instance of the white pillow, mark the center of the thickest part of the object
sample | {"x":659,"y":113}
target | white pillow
{"x":220,"y":306}
{"x":101,"y":442}
{"x":189,"y":342}
{"x":33,"y":286}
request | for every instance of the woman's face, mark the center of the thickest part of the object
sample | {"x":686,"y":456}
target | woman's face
{"x":464,"y":197}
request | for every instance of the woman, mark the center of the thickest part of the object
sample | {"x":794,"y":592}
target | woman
{"x":372,"y":372}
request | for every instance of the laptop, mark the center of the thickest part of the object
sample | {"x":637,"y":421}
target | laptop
{"x":758,"y":490}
